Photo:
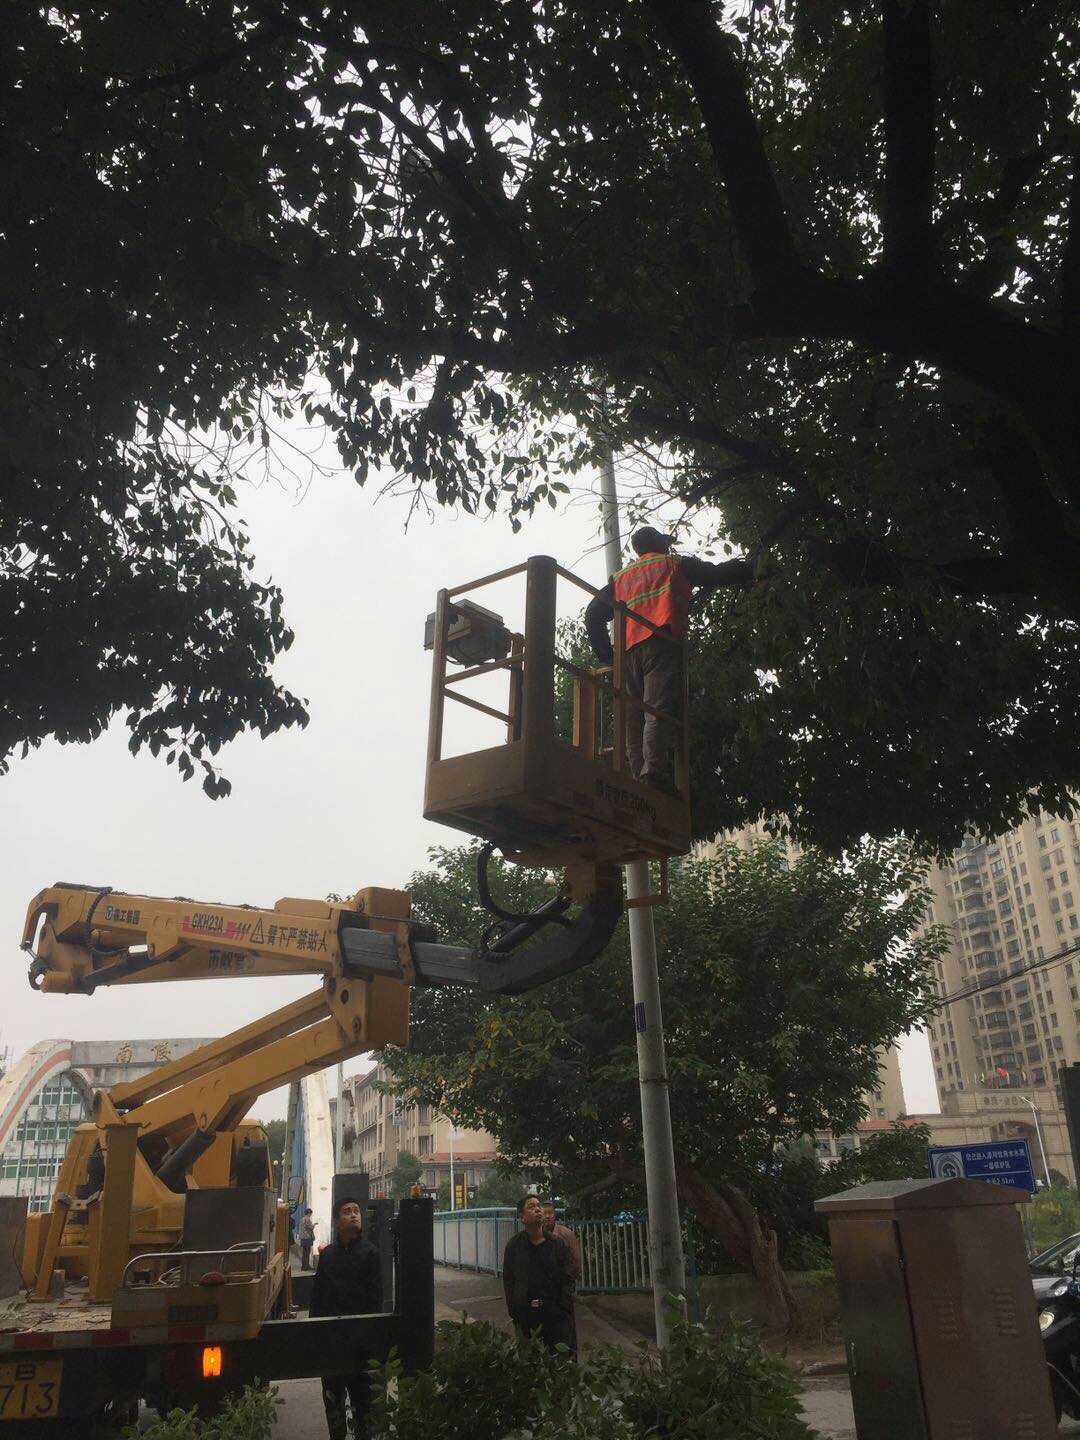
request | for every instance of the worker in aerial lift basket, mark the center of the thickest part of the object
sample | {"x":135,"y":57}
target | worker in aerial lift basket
{"x":660,"y":586}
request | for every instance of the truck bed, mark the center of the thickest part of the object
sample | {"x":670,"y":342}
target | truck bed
{"x":75,"y":1323}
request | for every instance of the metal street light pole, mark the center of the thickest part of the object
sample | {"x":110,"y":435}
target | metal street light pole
{"x":451,"y":1141}
{"x":665,"y":1233}
{"x":1038,"y":1132}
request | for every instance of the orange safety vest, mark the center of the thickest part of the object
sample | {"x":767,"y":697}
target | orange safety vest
{"x":655,"y":586}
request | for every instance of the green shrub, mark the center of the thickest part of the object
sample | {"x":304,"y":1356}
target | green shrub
{"x":703,"y":1387}
{"x":807,"y":1252}
{"x":713,"y":1387}
{"x":481,"y":1378}
{"x":248,"y":1416}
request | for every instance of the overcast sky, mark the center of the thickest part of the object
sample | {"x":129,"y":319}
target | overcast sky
{"x":333,"y":807}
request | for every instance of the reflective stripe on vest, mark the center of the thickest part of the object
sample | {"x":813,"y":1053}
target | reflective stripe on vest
{"x":656,"y":588}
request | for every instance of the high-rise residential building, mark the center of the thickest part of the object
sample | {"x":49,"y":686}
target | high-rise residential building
{"x":1013,"y":906}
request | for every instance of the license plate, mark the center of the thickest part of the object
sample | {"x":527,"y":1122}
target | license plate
{"x":29,"y":1389}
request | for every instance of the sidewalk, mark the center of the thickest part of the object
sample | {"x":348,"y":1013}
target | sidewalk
{"x":463,"y":1293}
{"x":826,"y":1406}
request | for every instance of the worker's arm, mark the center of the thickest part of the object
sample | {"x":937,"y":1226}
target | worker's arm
{"x":598,"y":613}
{"x":704,"y":575}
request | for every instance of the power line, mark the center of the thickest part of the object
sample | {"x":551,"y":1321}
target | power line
{"x":1058,"y":958}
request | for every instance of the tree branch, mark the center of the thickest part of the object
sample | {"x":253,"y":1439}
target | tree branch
{"x":863,"y":562}
{"x":705,"y":432}
{"x":909,"y":136}
{"x":599,"y":1185}
{"x":209,"y":65}
{"x":751,"y":458}
{"x":705,"y":53}
{"x":489,"y":202}
{"x":1070,"y":260}
{"x":523,"y":355}
{"x":720,"y":479}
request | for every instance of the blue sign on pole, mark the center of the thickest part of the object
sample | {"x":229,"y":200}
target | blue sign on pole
{"x":1002,"y":1162}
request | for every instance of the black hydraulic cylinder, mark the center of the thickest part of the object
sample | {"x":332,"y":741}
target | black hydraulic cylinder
{"x":374,"y":952}
{"x":352,"y":1185}
{"x":379,"y":1228}
{"x":415,"y":1289}
{"x":178,"y":1162}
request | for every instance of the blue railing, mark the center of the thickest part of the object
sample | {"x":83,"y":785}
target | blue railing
{"x":614,"y":1253}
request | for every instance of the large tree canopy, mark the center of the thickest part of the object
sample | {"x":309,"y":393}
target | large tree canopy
{"x":779,"y":989}
{"x":814,"y":268}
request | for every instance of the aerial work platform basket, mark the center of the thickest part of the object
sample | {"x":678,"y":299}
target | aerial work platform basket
{"x":558,"y":789}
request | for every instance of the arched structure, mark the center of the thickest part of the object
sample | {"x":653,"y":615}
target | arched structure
{"x":49,"y":1091}
{"x":42,"y":1098}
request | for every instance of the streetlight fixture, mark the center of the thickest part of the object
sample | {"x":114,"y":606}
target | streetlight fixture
{"x":1038,"y":1132}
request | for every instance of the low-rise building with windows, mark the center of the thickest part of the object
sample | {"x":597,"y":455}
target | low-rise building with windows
{"x":49,"y":1090}
{"x":378,"y":1128}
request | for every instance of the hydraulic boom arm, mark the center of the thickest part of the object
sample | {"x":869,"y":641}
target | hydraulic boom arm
{"x":368,"y":951}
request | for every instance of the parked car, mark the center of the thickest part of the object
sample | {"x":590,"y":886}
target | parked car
{"x":1054,"y":1265}
{"x":1059,"y":1326}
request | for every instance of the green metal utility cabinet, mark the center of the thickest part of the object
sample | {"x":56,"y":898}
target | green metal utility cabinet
{"x":938,"y":1312}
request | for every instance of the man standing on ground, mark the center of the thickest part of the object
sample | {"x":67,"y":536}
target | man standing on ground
{"x":659,"y":586}
{"x":538,"y":1280}
{"x":348,"y":1281}
{"x":562,"y":1232}
{"x":307,"y":1240}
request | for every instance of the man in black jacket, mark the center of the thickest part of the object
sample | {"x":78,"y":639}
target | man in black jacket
{"x":538,"y":1279}
{"x":348,"y":1281}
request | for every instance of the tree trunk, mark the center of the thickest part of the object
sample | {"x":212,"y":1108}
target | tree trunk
{"x":727,"y":1212}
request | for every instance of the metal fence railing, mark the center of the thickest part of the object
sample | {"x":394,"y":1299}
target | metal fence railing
{"x":614,"y":1253}
{"x":474,"y":1239}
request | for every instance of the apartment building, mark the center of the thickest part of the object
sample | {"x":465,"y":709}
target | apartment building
{"x":1012,"y":903}
{"x":381,"y":1128}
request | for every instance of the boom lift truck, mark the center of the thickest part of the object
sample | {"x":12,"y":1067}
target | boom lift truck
{"x":164,"y":1227}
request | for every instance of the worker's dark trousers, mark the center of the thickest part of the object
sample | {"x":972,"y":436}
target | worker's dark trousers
{"x":334,"y":1390}
{"x":553,"y":1325}
{"x":651,"y":672}
{"x":305,"y":1254}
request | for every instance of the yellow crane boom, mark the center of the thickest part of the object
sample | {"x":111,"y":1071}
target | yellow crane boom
{"x":115,"y":1200}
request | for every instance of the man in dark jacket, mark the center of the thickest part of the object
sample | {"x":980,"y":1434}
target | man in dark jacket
{"x":348,"y":1281}
{"x":538,"y":1280}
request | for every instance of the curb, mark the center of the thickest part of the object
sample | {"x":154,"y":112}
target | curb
{"x":826,"y":1367}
